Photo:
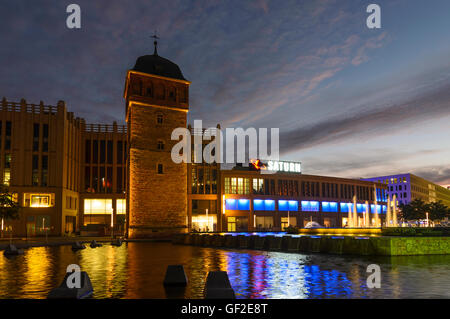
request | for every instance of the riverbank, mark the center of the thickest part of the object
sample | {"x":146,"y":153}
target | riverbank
{"x":340,"y":245}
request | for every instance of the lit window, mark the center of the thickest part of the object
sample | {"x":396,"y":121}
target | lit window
{"x":98,"y":206}
{"x":121,"y":206}
{"x":310,"y":206}
{"x":330,"y":207}
{"x":40,"y":201}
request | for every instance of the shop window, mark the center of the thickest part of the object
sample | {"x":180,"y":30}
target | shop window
{"x":98,"y":206}
{"x":39,"y":200}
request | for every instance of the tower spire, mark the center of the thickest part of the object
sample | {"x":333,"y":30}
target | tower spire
{"x":155,"y":43}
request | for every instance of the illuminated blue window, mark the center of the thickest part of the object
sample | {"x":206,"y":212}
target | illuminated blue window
{"x":237,"y":204}
{"x":243,"y":204}
{"x":231,"y":204}
{"x":361,"y":208}
{"x":372,"y":208}
{"x":310,"y":206}
{"x":269,"y":204}
{"x":384,"y":209}
{"x":293,"y":205}
{"x":345,"y":207}
{"x":258,"y":204}
{"x":288,"y":205}
{"x":283,"y":205}
{"x":330,"y":207}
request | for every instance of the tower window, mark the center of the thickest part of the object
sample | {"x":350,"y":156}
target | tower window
{"x":149,"y":91}
{"x":160,"y":169}
{"x":160,"y":145}
{"x":159,"y":119}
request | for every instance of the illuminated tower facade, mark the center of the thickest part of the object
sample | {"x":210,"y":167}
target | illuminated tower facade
{"x":157,"y":102}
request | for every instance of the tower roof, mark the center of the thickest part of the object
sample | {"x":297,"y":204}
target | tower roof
{"x":154,"y":64}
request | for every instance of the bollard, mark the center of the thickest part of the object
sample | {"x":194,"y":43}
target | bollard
{"x":64,"y":292}
{"x":118,"y":242}
{"x":94,"y":244}
{"x":175,"y":276}
{"x":11,"y":250}
{"x":77,"y":246}
{"x":218,"y":286}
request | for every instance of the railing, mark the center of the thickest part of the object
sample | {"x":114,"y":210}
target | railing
{"x":29,"y":108}
{"x":105,"y":128}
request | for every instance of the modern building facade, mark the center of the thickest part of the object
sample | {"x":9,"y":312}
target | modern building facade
{"x":408,"y":187}
{"x":246,"y":199}
{"x":65,"y":173}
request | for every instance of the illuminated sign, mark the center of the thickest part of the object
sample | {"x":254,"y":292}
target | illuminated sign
{"x":277,"y":166}
{"x":288,"y":167}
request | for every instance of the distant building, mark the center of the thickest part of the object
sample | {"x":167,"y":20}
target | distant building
{"x":408,"y":187}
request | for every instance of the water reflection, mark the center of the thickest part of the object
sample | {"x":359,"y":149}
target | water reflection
{"x":136,"y":270}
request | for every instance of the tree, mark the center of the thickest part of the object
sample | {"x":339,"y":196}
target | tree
{"x":9,"y":209}
{"x":438,"y":211}
{"x":417,"y":209}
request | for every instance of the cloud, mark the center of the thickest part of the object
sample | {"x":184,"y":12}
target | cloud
{"x":362,"y":123}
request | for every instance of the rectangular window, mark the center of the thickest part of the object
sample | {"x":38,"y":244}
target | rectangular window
{"x":44,"y":170}
{"x":35,"y":171}
{"x":330,"y":207}
{"x":98,"y":206}
{"x":102,"y":152}
{"x":267,"y":204}
{"x":310,"y":206}
{"x":110,"y":152}
{"x":227,"y":185}
{"x":233,"y":185}
{"x":8,"y":130}
{"x":38,"y":200}
{"x":95,"y":151}
{"x":119,"y":187}
{"x":95,"y":179}
{"x":87,"y":178}
{"x":288,"y":205}
{"x":45,"y":138}
{"x":35,"y":137}
{"x":87,"y":151}
{"x":214,"y":181}
{"x":160,"y":169}
{"x":121,"y":206}
{"x":109,"y":179}
{"x":102,"y":180}
{"x":240,"y":181}
{"x":119,"y":152}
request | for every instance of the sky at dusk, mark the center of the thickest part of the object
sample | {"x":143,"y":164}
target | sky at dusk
{"x":349,"y":101}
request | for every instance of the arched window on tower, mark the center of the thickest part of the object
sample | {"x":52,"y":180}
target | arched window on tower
{"x":160,"y":145}
{"x":159,"y":118}
{"x":173,"y":94}
{"x":149,"y":91}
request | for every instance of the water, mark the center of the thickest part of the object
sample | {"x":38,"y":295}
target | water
{"x":136,"y":270}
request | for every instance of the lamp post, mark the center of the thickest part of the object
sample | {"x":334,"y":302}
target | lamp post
{"x":427,"y":220}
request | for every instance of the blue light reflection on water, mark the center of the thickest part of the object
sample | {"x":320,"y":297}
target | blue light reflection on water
{"x":136,"y":270}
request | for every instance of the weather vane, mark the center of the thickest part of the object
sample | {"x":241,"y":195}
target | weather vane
{"x":154,"y":36}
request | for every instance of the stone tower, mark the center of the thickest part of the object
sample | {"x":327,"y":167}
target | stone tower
{"x":157,"y":102}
